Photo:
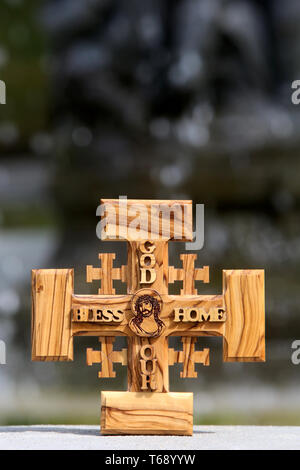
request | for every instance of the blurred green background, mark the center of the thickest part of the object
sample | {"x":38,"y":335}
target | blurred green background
{"x":153,"y":99}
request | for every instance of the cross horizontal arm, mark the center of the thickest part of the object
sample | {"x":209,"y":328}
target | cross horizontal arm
{"x":104,"y":315}
{"x":96,"y":357}
{"x":101,"y":315}
{"x":201,"y":357}
{"x":93,"y":357}
{"x":210,"y":305}
{"x":178,"y":274}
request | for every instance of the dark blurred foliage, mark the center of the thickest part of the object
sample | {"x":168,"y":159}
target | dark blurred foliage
{"x":151,"y":99}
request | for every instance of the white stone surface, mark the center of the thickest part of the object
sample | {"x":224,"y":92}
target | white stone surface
{"x":205,"y":437}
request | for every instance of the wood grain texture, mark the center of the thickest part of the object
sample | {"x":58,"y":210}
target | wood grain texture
{"x":188,"y":357}
{"x":147,"y":413}
{"x":188,"y":274}
{"x":106,"y":357}
{"x":150,"y":216}
{"x":106,"y":273}
{"x":147,"y":315}
{"x":51,"y":333}
{"x":244,"y":294}
{"x":134,"y":369}
{"x":98,"y":302}
{"x":135,"y":251}
{"x":170,"y":302}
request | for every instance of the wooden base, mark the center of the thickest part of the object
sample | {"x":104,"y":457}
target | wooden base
{"x":147,"y":413}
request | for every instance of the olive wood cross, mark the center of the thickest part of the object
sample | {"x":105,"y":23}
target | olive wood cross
{"x":148,"y":315}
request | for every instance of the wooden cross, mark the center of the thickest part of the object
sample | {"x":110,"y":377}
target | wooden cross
{"x":148,"y":315}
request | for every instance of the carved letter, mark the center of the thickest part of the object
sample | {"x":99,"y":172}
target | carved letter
{"x":147,"y":247}
{"x":192,"y":314}
{"x":147,"y":260}
{"x":148,"y":380}
{"x":148,"y":367}
{"x":179,"y":314}
{"x":144,"y":352}
{"x":118,"y":315}
{"x":144,"y":275}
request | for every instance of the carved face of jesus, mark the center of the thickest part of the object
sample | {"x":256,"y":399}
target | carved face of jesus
{"x":145,"y":308}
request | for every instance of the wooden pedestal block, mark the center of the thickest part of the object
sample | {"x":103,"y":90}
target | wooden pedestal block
{"x":147,"y":413}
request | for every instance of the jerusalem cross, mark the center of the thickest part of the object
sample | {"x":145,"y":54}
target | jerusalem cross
{"x":147,"y":315}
